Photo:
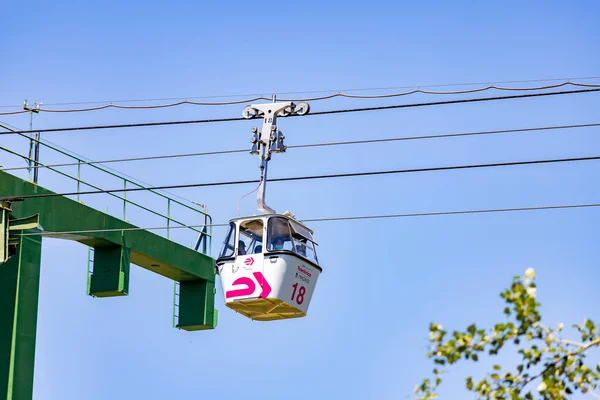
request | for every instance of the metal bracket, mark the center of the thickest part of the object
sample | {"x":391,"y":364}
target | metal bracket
{"x":35,"y":109}
{"x":269,"y":114}
{"x":270,"y":139}
{"x":9,"y":242}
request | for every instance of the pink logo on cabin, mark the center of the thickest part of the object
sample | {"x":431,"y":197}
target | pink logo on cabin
{"x":304,"y":271}
{"x":250,"y":286}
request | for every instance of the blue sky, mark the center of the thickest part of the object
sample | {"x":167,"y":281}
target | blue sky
{"x":384,"y":280}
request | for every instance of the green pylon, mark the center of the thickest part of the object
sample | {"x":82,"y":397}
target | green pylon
{"x":19,"y":290}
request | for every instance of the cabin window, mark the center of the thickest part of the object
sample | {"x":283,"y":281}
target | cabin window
{"x":303,"y":244}
{"x":251,"y":237}
{"x":299,"y":230}
{"x":229,"y":243}
{"x":279,"y":234}
{"x":306,"y":249}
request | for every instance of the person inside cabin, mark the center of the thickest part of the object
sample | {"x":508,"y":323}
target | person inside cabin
{"x":301,"y":249}
{"x":278,"y":244}
{"x":241,"y":248}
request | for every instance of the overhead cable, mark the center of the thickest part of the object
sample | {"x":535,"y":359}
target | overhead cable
{"x":362,"y":89}
{"x":131,"y":159}
{"x":327,"y":112}
{"x":310,"y":177}
{"x":308,"y":145}
{"x":330,"y":219}
{"x":318,"y":98}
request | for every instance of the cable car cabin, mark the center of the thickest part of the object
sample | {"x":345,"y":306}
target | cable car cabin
{"x":268,"y":267}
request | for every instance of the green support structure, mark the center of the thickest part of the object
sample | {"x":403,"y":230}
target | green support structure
{"x":197,"y":305}
{"x":148,"y":250}
{"x":19,"y":290}
{"x":111,"y":272}
{"x":114,"y":249}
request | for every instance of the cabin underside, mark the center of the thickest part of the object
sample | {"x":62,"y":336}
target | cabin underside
{"x":265,"y":309}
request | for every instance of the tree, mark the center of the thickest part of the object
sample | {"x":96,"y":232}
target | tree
{"x":555,"y":364}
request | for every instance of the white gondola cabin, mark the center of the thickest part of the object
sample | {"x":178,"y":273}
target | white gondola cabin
{"x":268,"y":267}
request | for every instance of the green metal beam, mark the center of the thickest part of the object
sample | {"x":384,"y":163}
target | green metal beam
{"x":148,"y":250}
{"x":19,"y":290}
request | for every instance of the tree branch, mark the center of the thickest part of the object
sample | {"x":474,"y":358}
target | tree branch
{"x":561,"y":341}
{"x":585,"y":347}
{"x":569,"y":342}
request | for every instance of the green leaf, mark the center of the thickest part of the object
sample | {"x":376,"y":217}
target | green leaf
{"x":470,"y":383}
{"x":497,"y":368}
{"x":474,"y":357}
{"x":589,"y":324}
{"x":471,"y":329}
